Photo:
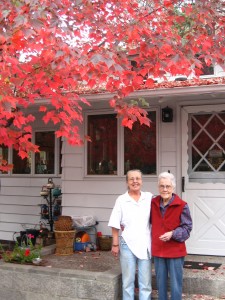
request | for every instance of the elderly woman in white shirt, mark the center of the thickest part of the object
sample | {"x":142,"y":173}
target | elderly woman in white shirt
{"x":132,"y":213}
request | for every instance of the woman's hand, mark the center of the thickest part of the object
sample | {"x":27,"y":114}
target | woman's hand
{"x":115,"y":250}
{"x":166,"y":236}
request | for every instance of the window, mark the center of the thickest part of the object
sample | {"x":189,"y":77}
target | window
{"x":207,"y":145}
{"x":47,"y":161}
{"x":138,"y":146}
{"x":21,"y":166}
{"x":3,"y":155}
{"x":102,"y":151}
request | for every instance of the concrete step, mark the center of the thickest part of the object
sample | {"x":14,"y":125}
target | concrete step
{"x":190,"y":297}
{"x":205,"y":284}
{"x":184,"y":296}
{"x":197,"y":284}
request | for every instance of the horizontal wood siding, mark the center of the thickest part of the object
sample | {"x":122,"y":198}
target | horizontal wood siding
{"x":73,"y":160}
{"x":20,"y":219}
{"x":168,"y":144}
{"x":20,"y":202}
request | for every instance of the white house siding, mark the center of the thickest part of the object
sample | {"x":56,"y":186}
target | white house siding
{"x":167,"y":143}
{"x":20,"y":197}
{"x":19,"y":204}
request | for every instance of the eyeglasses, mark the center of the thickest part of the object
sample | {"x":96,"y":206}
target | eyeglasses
{"x":163,"y":187}
{"x":134,"y":179}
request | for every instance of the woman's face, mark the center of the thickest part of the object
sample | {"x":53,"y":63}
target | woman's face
{"x":134,"y":181}
{"x":165,"y":189}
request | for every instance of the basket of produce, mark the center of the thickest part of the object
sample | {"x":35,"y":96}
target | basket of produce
{"x":82,"y":239}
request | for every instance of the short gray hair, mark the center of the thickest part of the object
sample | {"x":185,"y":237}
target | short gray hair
{"x":135,"y":170}
{"x":167,"y":175}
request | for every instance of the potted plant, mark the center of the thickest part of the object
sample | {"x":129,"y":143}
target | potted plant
{"x":24,"y":253}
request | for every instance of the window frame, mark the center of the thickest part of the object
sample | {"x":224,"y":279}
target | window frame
{"x":120,"y":145}
{"x":199,"y":176}
{"x":32,"y":173}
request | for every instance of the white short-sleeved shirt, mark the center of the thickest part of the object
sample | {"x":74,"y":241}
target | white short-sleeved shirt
{"x":135,"y":217}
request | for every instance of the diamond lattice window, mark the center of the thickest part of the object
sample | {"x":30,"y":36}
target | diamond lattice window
{"x":207,"y":143}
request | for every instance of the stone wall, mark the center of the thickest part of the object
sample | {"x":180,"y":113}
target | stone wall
{"x":23,"y":282}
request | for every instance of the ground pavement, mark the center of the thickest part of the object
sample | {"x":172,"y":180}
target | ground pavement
{"x":199,"y":283}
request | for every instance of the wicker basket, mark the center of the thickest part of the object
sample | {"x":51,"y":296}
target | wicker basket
{"x":64,"y":242}
{"x":64,"y":223}
{"x":105,"y":243}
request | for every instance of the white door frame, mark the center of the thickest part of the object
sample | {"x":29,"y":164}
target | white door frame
{"x":206,"y":200}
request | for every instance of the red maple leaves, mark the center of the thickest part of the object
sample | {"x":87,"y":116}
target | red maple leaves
{"x":59,"y":49}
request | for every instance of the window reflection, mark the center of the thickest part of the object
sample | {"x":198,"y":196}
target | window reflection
{"x":102,"y":150}
{"x":140,"y":147}
{"x":21,"y":166}
{"x":45,"y":159}
{"x":3,"y":156}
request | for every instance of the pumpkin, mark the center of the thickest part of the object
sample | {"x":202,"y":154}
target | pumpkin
{"x":84,"y":236}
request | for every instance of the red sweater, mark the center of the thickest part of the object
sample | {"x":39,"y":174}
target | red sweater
{"x":169,"y":222}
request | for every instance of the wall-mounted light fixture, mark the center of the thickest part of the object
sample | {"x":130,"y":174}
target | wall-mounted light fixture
{"x":167,"y":114}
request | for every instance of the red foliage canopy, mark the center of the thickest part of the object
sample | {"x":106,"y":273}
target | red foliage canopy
{"x":56,"y":50}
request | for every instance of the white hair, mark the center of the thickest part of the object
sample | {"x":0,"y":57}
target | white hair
{"x":167,"y":175}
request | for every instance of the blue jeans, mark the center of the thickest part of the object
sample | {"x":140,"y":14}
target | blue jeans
{"x":172,"y":268}
{"x":129,"y":262}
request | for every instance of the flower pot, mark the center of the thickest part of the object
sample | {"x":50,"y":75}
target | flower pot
{"x":23,"y":236}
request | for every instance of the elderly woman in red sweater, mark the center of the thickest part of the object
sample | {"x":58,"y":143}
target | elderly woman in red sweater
{"x":171,"y":227}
